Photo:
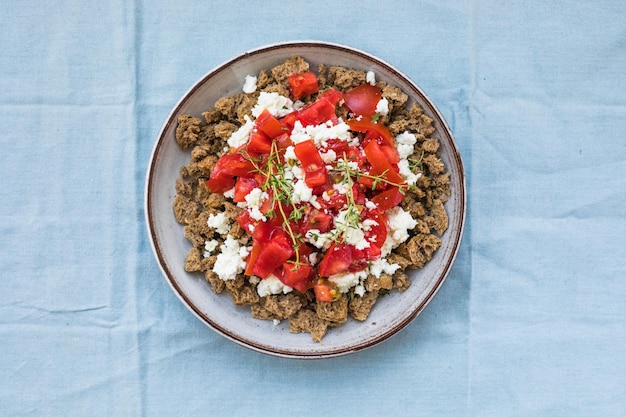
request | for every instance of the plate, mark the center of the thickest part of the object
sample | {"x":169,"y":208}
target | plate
{"x":390,"y":314}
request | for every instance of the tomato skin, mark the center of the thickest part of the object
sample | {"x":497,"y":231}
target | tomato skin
{"x":297,"y":276}
{"x":380,"y":164}
{"x":337,"y":259}
{"x":364,"y":125}
{"x":377,"y":233}
{"x":325,"y":290}
{"x":272,"y":255}
{"x":259,"y":142}
{"x":303,"y":84}
{"x":363,"y":99}
{"x":315,"y":173}
{"x":243,"y":186}
{"x":220,"y":182}
{"x":252,"y":257}
{"x":270,"y":125}
{"x":318,"y":220}
{"x":389,"y":198}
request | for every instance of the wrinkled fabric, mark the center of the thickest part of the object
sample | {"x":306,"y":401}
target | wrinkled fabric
{"x":531,"y":320}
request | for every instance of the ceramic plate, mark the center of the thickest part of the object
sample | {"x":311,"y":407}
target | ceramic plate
{"x":390,"y":314}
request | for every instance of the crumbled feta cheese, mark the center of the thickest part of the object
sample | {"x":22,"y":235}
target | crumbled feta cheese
{"x":301,"y":192}
{"x":406,"y":142}
{"x":241,"y":135}
{"x":383,"y":106}
{"x":254,"y":200}
{"x":272,"y":285}
{"x":276,"y":104}
{"x":347,"y":280}
{"x":352,"y":235}
{"x":381,"y":265}
{"x":370,"y":205}
{"x":219,"y":222}
{"x":318,"y":239}
{"x":290,"y":154}
{"x":230,"y":193}
{"x":370,"y":77}
{"x":341,"y":188}
{"x":329,"y":156}
{"x":230,"y":260}
{"x":407,"y":174}
{"x":320,"y":133}
{"x":249,"y":85}
{"x":399,"y":222}
{"x":209,"y":247}
{"x":276,"y":322}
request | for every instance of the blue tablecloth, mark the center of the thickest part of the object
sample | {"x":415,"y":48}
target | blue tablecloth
{"x":532,"y":319}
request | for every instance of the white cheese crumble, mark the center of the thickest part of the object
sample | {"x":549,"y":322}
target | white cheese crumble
{"x":241,"y":135}
{"x":301,"y":192}
{"x":318,"y":239}
{"x":290,"y":154}
{"x":249,"y":85}
{"x":209,"y":247}
{"x":230,"y":193}
{"x":219,"y":222}
{"x":230,"y":260}
{"x":347,"y":280}
{"x":400,"y":222}
{"x":383,"y":106}
{"x":255,"y":199}
{"x":272,"y":285}
{"x":370,"y":77}
{"x":406,"y":173}
{"x":406,"y":142}
{"x":320,"y":133}
{"x":381,"y":265}
{"x":276,"y":104}
{"x":329,"y":156}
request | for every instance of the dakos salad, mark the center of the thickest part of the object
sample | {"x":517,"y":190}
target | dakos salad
{"x":310,"y":193}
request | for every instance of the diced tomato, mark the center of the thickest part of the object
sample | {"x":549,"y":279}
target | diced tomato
{"x":246,"y":222}
{"x":380,"y":164}
{"x":290,"y":119}
{"x":318,"y":220}
{"x":391,"y":152}
{"x":252,"y":257}
{"x":283,"y":141}
{"x":325,"y":290}
{"x":359,"y":259}
{"x":335,"y":200}
{"x":259,"y":142}
{"x":243,"y":186}
{"x":303,"y":84}
{"x":388,"y":198}
{"x":364,"y":124}
{"x":293,"y":274}
{"x":270,"y":125}
{"x":236,"y":164}
{"x":377,"y":233}
{"x":354,"y":154}
{"x":331,"y":95}
{"x":315,"y":173}
{"x":220,"y":182}
{"x":320,"y":111}
{"x":264,"y":231}
{"x":337,"y":145}
{"x":272,"y":255}
{"x":363,"y":99}
{"x":336,"y":259}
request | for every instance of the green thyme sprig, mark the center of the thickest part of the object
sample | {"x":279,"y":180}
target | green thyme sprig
{"x":281,"y":190}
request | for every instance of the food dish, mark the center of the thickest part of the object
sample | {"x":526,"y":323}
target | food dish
{"x":170,"y":247}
